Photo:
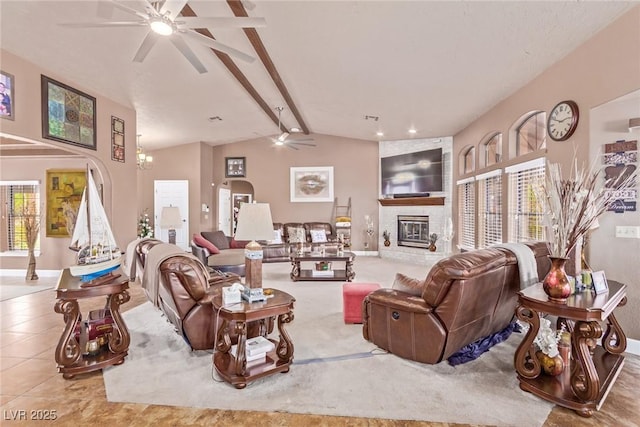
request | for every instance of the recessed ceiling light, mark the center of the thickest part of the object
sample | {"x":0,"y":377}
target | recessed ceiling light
{"x":379,"y":133}
{"x":412,"y":131}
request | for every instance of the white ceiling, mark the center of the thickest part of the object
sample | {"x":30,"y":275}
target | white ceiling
{"x":435,"y":66}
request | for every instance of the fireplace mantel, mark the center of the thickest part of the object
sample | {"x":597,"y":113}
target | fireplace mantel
{"x":413,"y":201}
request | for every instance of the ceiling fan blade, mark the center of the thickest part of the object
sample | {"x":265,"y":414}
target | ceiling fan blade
{"x":112,"y":3}
{"x":239,"y":22}
{"x":172,"y":8}
{"x":306,"y":144}
{"x":103,"y":24}
{"x":146,"y":46}
{"x":182,"y":46}
{"x":291,"y":146}
{"x":216,"y":45}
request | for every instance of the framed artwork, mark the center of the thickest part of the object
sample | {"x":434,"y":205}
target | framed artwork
{"x":68,"y":115}
{"x":600,"y":285}
{"x":117,"y":139}
{"x":311,"y":184}
{"x":235,"y":167}
{"x":64,"y":193}
{"x":6,"y":92}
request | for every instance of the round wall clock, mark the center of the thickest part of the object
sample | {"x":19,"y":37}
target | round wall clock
{"x":563,"y":120}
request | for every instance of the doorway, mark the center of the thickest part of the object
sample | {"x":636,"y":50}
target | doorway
{"x":172,"y":193}
{"x":224,"y":211}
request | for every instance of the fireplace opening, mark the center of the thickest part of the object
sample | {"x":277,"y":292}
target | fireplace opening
{"x":413,"y":231}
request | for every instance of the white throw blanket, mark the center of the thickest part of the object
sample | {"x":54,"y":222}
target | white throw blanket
{"x":526,"y":262}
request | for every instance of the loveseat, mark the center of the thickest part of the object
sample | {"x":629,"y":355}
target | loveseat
{"x":464,"y":298}
{"x":223,"y":253}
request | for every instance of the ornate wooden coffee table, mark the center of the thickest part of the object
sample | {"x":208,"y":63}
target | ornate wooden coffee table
{"x":346,"y":275}
{"x":593,"y":369}
{"x":233,"y":369}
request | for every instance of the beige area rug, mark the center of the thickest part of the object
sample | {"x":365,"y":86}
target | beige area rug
{"x":335,"y":371}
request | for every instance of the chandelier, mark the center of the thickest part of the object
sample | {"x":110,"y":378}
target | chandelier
{"x":143,"y":160}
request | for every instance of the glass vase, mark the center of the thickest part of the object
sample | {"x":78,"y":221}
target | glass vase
{"x":556,"y":283}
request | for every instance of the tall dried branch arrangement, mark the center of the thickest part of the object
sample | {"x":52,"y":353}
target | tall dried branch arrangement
{"x":31,"y":224}
{"x":573,"y":204}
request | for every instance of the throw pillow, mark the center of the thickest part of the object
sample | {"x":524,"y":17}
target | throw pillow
{"x":218,"y":238}
{"x":318,"y":236}
{"x":408,"y":284}
{"x":277,"y":238}
{"x":201,"y":241}
{"x":296,"y":235}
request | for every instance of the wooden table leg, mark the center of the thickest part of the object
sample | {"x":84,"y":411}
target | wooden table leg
{"x":68,"y":350}
{"x":585,"y":382}
{"x":349,"y":270}
{"x":295,"y":271}
{"x":120,"y":338}
{"x":525,"y":360}
{"x":284,"y":350}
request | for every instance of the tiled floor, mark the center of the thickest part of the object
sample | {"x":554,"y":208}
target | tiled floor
{"x":30,"y":330}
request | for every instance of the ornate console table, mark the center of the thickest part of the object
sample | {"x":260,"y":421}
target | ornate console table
{"x":69,"y":352}
{"x":593,"y":368}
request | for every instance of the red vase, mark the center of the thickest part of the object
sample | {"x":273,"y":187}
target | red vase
{"x":556,"y":283}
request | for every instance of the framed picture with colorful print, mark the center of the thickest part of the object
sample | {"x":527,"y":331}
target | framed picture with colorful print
{"x":7,"y":109}
{"x":64,"y":193}
{"x":68,"y":115}
{"x":117,"y":139}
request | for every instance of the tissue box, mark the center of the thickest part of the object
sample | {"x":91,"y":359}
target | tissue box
{"x":231,"y":296}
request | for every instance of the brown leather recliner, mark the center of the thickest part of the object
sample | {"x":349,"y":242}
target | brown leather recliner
{"x":465,"y":297}
{"x":186,"y":295}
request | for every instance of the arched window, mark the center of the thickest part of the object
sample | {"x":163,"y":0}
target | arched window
{"x":530,"y":135}
{"x":467,"y":160}
{"x":492,"y":150}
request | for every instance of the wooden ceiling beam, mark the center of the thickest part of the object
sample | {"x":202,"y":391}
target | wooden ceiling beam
{"x":255,"y":40}
{"x":235,"y":71}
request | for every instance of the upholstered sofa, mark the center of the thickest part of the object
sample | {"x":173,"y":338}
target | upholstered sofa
{"x":464,"y":298}
{"x":223,"y":253}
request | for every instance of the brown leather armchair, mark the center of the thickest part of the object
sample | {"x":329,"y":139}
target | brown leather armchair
{"x":186,"y":295}
{"x":464,"y":298}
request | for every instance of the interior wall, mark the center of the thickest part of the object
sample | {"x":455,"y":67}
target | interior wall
{"x":605,"y":67}
{"x":119,"y":179}
{"x":355,"y":164}
{"x":609,"y":123}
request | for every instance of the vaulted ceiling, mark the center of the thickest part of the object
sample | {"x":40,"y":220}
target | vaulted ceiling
{"x":346,"y":68}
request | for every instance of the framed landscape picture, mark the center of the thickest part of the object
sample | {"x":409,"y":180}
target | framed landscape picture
{"x":64,"y":193}
{"x":68,"y":115}
{"x":311,"y":184}
{"x":7,"y":109}
{"x":235,"y":167}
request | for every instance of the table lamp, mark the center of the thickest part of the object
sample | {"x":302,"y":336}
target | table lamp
{"x":170,"y":218}
{"x":254,"y":223}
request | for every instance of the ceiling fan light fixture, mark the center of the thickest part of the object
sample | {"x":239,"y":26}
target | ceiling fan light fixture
{"x":162,"y":26}
{"x":295,"y":130}
{"x":282,"y":137}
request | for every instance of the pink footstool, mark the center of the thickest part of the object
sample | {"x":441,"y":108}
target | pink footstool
{"x":352,"y":296}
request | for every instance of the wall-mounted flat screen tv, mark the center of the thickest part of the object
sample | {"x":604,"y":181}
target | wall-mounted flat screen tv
{"x":413,"y":173}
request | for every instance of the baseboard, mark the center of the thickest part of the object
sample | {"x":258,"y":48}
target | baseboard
{"x":18,"y":272}
{"x":366,"y":253}
{"x":633,"y":347}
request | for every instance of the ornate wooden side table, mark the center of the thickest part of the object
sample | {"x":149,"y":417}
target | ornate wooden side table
{"x":234,"y":369}
{"x":593,"y":368}
{"x":69,"y":352}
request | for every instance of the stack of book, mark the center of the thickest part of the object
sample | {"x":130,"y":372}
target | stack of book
{"x":322,"y":273}
{"x":256,"y":350}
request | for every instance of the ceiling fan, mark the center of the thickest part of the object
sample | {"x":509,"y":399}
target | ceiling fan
{"x":163,"y":21}
{"x":282,"y":139}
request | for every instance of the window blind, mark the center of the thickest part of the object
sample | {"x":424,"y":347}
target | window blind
{"x":525,"y":210}
{"x":22,"y":201}
{"x":467,"y":211}
{"x":490,"y":208}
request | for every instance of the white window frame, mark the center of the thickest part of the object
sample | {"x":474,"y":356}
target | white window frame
{"x":524,"y":224}
{"x":466,"y":213}
{"x":489,"y":209}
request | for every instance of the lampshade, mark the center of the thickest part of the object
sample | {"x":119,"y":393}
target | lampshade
{"x":254,"y":222}
{"x":170,"y":217}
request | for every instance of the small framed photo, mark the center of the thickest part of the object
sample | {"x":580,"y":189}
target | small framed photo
{"x":236,"y":167}
{"x":599,"y":282}
{"x":8,"y":96}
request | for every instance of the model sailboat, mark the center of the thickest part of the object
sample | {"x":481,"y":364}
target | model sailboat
{"x":98,"y":253}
